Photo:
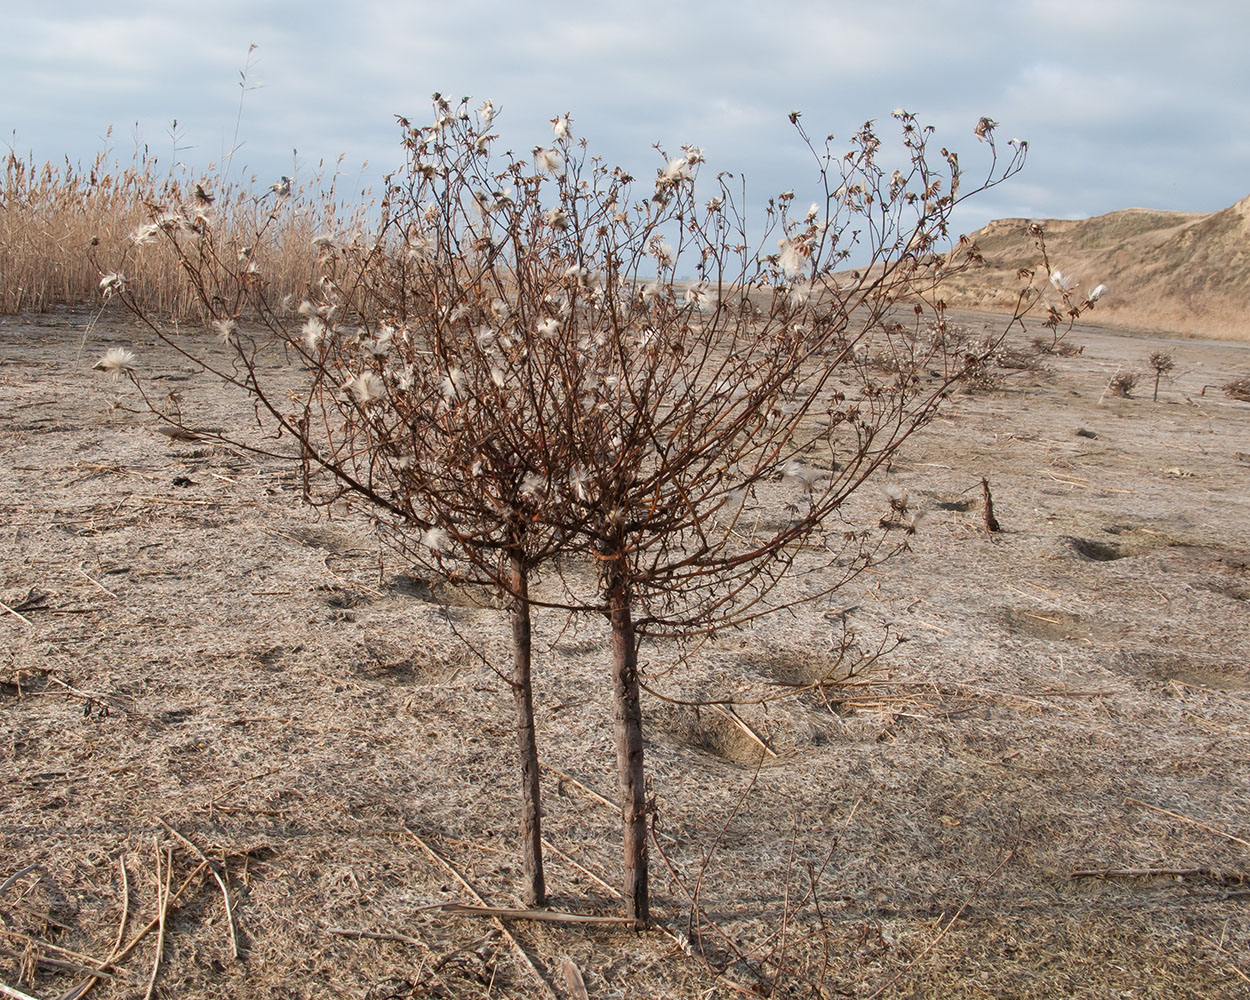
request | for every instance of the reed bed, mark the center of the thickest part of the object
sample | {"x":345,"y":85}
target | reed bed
{"x":65,"y":227}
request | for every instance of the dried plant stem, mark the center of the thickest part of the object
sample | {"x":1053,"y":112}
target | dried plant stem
{"x":945,"y":930}
{"x":83,"y":988}
{"x":1158,"y":873}
{"x":542,"y":916}
{"x":15,"y":614}
{"x":375,"y":936}
{"x":58,"y":963}
{"x":54,"y":947}
{"x":162,"y":911}
{"x":602,"y":883}
{"x":516,"y":945}
{"x":751,"y":734}
{"x":1186,"y":819}
{"x":16,"y":994}
{"x":225,"y":893}
{"x":93,"y":580}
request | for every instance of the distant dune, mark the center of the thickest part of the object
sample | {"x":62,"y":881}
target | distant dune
{"x":1181,"y":273}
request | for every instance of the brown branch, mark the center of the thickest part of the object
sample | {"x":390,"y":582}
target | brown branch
{"x":516,"y":945}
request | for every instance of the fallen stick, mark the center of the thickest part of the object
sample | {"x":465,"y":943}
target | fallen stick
{"x":162,"y":911}
{"x":54,"y":947}
{"x":546,"y":916}
{"x":945,"y":930}
{"x":16,"y":994}
{"x":82,"y":989}
{"x":93,"y":580}
{"x":443,"y":862}
{"x":580,"y":867}
{"x":1186,"y":819}
{"x":374,"y":935}
{"x":15,"y":614}
{"x":58,"y":963}
{"x":738,"y":721}
{"x":1157,"y":873}
{"x":225,"y":893}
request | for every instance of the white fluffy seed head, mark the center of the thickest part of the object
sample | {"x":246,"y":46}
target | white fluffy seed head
{"x":115,"y":361}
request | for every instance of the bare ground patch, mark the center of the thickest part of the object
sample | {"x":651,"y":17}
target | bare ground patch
{"x":186,"y":644}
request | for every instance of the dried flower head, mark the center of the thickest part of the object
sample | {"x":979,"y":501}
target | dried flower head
{"x":1061,"y":281}
{"x":549,"y":161}
{"x":793,"y":258}
{"x":794,"y":473}
{"x":115,"y":361}
{"x":365,"y":388}
{"x":110,"y":283}
{"x":436,"y":540}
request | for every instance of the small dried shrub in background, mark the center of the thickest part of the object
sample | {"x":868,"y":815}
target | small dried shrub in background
{"x":1161,"y":363}
{"x":1123,"y":383}
{"x":1239,"y":388}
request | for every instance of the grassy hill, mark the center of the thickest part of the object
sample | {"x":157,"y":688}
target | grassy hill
{"x":1184,"y":273}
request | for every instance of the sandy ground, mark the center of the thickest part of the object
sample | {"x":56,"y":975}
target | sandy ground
{"x":188,"y":649}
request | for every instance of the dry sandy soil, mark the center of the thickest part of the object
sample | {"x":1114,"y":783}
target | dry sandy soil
{"x":188,"y":649}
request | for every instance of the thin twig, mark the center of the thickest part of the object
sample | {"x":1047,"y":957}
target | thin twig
{"x":1235,"y":877}
{"x":443,"y":862}
{"x":20,"y":935}
{"x":543,"y":916}
{"x":738,"y":721}
{"x":58,"y":963}
{"x":81,"y":990}
{"x":225,"y":893}
{"x":162,"y":904}
{"x":96,"y":582}
{"x":615,"y":890}
{"x":1186,"y":819}
{"x":15,"y":614}
{"x":375,"y":935}
{"x":16,"y":994}
{"x":945,"y":930}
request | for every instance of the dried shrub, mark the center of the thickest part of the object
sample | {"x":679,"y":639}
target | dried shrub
{"x":508,"y":372}
{"x":1063,"y":348}
{"x":1239,"y":388}
{"x":1161,"y":363}
{"x":1123,"y":383}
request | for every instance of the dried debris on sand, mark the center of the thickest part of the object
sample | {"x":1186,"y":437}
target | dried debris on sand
{"x":243,"y":739}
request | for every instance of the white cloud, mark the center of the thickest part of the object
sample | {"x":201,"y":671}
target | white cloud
{"x":1123,"y":102}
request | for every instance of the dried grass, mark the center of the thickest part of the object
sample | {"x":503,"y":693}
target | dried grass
{"x":1175,"y":273}
{"x":64,"y":227}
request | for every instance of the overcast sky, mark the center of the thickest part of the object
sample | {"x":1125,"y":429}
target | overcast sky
{"x":1124,"y":102}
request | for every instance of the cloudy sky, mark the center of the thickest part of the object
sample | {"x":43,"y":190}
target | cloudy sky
{"x":1123,"y":102}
